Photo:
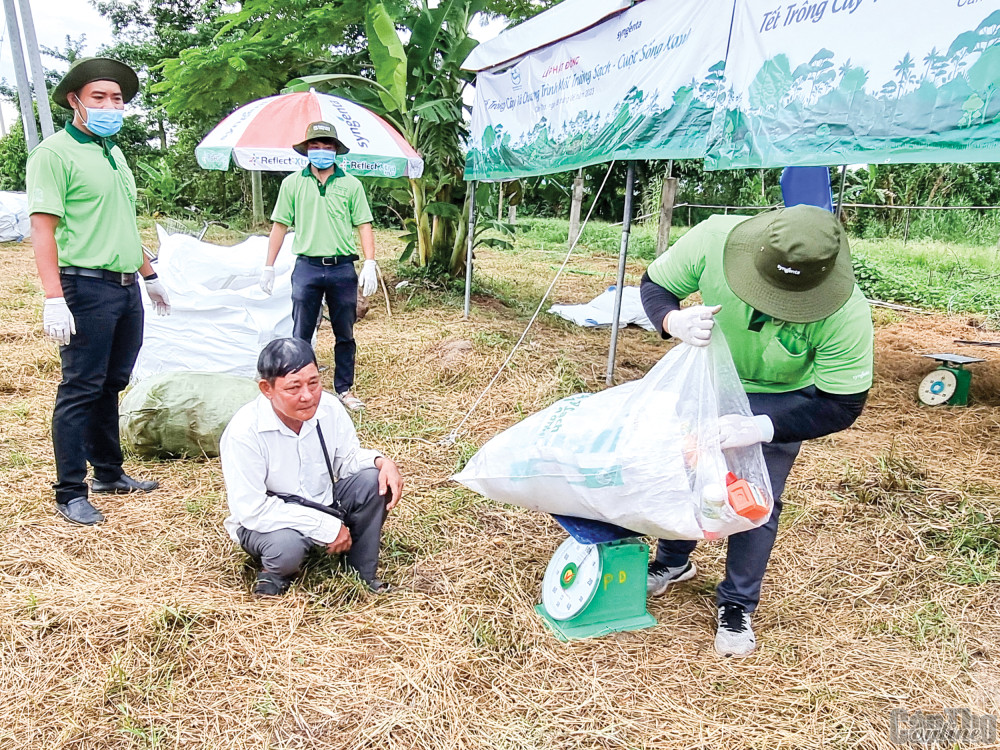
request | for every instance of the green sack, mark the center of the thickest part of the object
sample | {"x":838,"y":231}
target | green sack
{"x":182,"y":414}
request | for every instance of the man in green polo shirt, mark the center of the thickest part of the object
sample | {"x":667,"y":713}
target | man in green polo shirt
{"x":781,"y":287}
{"x":326,"y":206}
{"x":81,"y":197}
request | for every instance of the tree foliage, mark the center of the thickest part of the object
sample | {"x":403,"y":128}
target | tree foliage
{"x":251,"y":52}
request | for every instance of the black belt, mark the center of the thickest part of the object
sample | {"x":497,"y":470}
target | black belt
{"x":125,"y":279}
{"x":330,"y":260}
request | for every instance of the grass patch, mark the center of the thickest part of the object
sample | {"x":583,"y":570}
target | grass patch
{"x":889,"y":481}
{"x":970,"y":542}
{"x":598,"y":238}
{"x":935,"y":275}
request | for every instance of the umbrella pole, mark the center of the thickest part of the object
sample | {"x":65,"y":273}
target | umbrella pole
{"x":622,"y":255}
{"x":256,"y":188}
{"x":468,"y":253}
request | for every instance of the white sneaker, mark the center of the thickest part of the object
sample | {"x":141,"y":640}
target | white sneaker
{"x":659,"y":577}
{"x":350,"y":401}
{"x":734,"y":636}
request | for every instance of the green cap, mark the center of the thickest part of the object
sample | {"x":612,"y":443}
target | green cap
{"x":793,"y":264}
{"x":320,"y":131}
{"x":89,"y":69}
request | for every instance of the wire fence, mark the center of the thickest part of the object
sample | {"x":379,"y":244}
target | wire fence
{"x":695,"y":212}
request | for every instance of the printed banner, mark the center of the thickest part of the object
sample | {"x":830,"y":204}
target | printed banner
{"x":821,"y":82}
{"x":641,"y":85}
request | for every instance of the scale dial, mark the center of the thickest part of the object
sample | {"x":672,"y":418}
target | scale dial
{"x":937,"y":387}
{"x":571,"y":579}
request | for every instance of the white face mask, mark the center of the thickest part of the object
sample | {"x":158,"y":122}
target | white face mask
{"x":102,"y":122}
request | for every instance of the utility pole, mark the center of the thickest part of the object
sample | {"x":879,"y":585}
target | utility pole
{"x":21,"y":75}
{"x":37,"y":71}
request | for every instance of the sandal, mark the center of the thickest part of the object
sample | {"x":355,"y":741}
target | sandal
{"x":350,"y":401}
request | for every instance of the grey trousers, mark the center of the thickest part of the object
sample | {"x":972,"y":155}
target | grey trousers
{"x":282,"y":551}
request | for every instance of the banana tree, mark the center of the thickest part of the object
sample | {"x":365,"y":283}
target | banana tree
{"x":415,"y":81}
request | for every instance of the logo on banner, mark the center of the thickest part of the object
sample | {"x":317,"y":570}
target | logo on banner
{"x":515,"y":78}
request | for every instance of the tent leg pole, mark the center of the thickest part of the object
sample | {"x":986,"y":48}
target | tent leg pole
{"x":840,"y":195}
{"x":622,"y":255}
{"x":468,"y":252}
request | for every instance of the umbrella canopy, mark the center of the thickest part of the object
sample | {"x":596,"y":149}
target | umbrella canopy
{"x":260,"y":136}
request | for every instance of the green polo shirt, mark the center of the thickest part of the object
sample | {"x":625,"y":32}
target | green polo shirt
{"x":324,"y":215}
{"x":85,"y":181}
{"x":834,"y":354}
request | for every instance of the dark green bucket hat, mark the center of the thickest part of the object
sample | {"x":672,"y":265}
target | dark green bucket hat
{"x":793,"y":264}
{"x":320,"y":131}
{"x":89,"y":69}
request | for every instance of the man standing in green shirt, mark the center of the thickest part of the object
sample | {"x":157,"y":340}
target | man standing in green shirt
{"x":326,"y":206}
{"x":81,"y":198}
{"x":781,"y":287}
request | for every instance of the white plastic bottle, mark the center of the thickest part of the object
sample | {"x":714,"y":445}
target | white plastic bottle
{"x":713,"y":500}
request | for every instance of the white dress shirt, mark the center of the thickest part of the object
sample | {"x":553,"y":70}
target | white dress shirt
{"x":259,"y":453}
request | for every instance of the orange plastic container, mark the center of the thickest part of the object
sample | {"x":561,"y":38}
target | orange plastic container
{"x":748,"y":501}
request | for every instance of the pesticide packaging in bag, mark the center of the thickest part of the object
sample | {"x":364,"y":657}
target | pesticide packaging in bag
{"x":177,"y":414}
{"x":644,"y":455}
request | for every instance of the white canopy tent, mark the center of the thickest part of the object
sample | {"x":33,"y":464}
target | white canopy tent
{"x":741,"y":83}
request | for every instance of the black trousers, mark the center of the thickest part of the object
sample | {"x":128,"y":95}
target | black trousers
{"x":748,"y":552}
{"x":96,"y":366}
{"x":339,"y":284}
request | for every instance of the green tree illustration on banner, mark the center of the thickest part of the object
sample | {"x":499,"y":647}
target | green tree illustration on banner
{"x":936,"y":106}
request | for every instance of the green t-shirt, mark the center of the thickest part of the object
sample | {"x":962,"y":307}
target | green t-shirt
{"x":85,"y":181}
{"x":324,"y":215}
{"x":834,"y":354}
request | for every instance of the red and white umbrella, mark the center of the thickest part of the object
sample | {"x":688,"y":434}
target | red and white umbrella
{"x":260,"y":136}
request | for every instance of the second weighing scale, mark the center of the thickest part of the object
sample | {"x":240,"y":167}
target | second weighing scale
{"x":949,"y":383}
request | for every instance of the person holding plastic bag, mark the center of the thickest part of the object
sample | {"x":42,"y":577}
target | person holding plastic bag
{"x":781,"y":288}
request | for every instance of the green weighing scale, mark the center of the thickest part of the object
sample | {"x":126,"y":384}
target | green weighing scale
{"x":949,"y":383}
{"x":595,"y":583}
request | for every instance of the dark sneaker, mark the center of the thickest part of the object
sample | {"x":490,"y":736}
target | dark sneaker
{"x":80,"y":511}
{"x":124,"y":485}
{"x":734,"y":636}
{"x":270,"y":584}
{"x":659,"y":577}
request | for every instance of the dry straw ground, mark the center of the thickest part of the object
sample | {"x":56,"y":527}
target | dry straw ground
{"x":883,"y":591}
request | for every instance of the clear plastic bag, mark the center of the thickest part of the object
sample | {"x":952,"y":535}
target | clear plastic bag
{"x":644,"y":455}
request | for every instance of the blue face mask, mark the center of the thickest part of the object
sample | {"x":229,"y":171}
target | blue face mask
{"x":321,"y":158}
{"x":104,"y":122}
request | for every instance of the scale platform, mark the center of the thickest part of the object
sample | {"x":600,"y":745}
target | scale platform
{"x":595,"y":583}
{"x":953,"y":359}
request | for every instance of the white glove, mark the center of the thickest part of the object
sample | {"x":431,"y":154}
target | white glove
{"x":692,"y":325}
{"x":267,"y":280}
{"x":158,"y":295}
{"x":368,"y":278}
{"x":737,"y":431}
{"x":57,"y":320}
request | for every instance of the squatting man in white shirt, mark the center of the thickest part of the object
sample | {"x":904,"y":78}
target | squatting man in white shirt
{"x":296,"y":476}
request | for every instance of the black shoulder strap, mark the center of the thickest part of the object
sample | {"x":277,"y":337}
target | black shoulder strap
{"x":326,"y":453}
{"x":329,"y":465}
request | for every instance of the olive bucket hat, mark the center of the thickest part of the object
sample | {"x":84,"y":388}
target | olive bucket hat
{"x":793,"y":264}
{"x":89,"y":69}
{"x":320,"y":131}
